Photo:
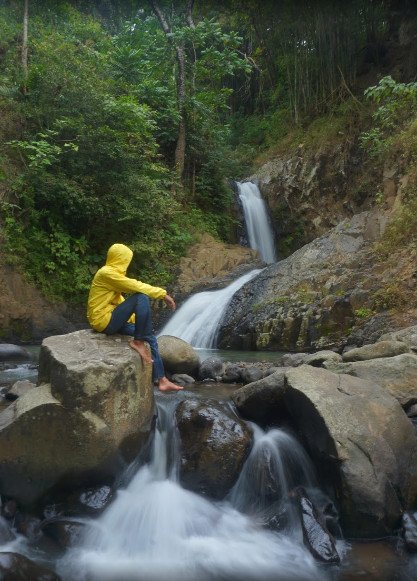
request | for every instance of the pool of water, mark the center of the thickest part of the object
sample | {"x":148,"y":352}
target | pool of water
{"x":247,"y":356}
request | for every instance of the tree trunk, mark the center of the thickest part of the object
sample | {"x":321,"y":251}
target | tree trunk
{"x":180,"y":54}
{"x":25,"y":45}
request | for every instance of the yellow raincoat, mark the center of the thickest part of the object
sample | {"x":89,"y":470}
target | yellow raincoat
{"x":108,"y":284}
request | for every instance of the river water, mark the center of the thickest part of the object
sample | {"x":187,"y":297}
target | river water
{"x":156,"y":530}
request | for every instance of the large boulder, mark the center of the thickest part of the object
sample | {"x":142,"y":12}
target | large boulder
{"x":178,"y":356}
{"x":262,"y":401}
{"x":359,"y":437}
{"x":42,"y":443}
{"x":397,"y":375}
{"x":214,"y":446}
{"x":91,"y":413}
{"x":376,"y":351}
{"x":95,"y":374}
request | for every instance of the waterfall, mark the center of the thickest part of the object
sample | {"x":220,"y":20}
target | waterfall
{"x":276,"y":466}
{"x":257,"y":221}
{"x":155,"y":530}
{"x":199,"y":318}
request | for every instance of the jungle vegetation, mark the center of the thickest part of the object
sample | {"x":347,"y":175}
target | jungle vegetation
{"x":124,"y":120}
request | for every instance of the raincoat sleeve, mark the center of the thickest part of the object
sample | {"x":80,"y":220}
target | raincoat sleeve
{"x":121,"y":283}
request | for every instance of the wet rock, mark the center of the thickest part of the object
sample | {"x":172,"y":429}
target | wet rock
{"x":212,"y":368}
{"x":361,"y":440}
{"x":412,"y":411}
{"x":178,"y":356}
{"x":16,"y":567}
{"x":232,"y":373}
{"x":214,"y":446}
{"x":251,"y":374}
{"x":9,"y":352}
{"x":262,"y":401}
{"x":29,"y":526}
{"x":397,"y":375}
{"x":376,"y":351}
{"x":409,"y":523}
{"x":9,"y":509}
{"x":67,"y":533}
{"x":317,"y":538}
{"x":92,"y":500}
{"x":18,"y":389}
{"x":6,"y":535}
{"x":293,"y":359}
{"x":182,"y":379}
{"x":317,"y":359}
{"x":407,"y":336}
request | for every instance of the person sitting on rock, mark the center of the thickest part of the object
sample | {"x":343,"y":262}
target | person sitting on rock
{"x":108,"y":312}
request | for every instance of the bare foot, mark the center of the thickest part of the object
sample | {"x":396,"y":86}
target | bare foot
{"x":166,"y":385}
{"x":140,"y":347}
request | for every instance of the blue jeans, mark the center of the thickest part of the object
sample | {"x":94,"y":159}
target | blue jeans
{"x":137,"y":304}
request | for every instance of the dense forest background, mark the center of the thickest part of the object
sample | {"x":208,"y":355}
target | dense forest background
{"x":124,"y":121}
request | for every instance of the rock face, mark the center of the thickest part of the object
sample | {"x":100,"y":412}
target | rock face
{"x":397,"y":375}
{"x":308,"y":301}
{"x":91,"y":414}
{"x":24,"y":314}
{"x":359,"y":436}
{"x":211,"y":259}
{"x":214,"y":446}
{"x":178,"y":355}
{"x":307,"y":190}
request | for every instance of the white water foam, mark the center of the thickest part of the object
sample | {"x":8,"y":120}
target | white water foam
{"x":157,"y":531}
{"x":199,"y":318}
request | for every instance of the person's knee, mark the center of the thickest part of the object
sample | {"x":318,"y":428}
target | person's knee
{"x":142,"y":301}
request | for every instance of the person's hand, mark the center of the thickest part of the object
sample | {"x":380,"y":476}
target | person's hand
{"x":169,"y":301}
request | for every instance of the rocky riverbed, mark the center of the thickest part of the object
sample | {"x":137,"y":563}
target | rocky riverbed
{"x":353,"y":412}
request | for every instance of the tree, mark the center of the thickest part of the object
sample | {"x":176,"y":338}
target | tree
{"x":204,"y":54}
{"x":181,"y":75}
{"x":25,"y":44}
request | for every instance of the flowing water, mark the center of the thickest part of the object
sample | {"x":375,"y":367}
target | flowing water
{"x":157,"y":531}
{"x":199,"y":318}
{"x":258,"y":225}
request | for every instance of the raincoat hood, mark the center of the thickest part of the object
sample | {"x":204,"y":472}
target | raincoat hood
{"x":119,"y":256}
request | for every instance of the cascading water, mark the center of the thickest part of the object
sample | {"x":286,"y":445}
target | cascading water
{"x":157,"y":531}
{"x":199,"y":318}
{"x":257,"y":221}
{"x":276,"y":466}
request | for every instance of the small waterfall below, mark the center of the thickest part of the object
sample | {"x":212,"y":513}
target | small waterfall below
{"x":276,"y":466}
{"x":199,"y":318}
{"x":257,"y":221}
{"x":155,"y":530}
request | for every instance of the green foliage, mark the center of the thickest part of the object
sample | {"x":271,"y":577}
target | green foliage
{"x":363,"y":313}
{"x":396,"y":103}
{"x":95,"y":133}
{"x":389,"y":297}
